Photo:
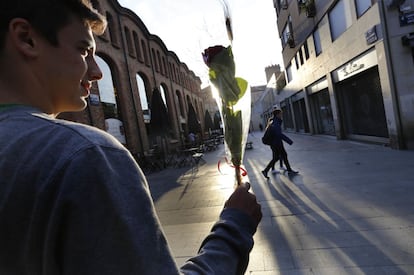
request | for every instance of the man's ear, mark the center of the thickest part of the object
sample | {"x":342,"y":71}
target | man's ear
{"x":23,"y":37}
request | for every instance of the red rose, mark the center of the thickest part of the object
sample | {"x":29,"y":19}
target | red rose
{"x":211,"y":52}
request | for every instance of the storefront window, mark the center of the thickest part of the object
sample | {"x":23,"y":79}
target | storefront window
{"x":287,"y":116}
{"x":301,"y":119}
{"x":362,"y":105}
{"x":322,"y":113}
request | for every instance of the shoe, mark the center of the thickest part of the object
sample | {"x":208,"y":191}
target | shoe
{"x":291,"y":172}
{"x":265,"y":174}
{"x":274,"y":171}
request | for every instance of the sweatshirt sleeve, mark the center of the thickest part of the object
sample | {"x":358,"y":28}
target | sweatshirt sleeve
{"x":287,"y":139}
{"x":104,"y":222}
{"x":105,"y":219}
{"x":226,"y":249}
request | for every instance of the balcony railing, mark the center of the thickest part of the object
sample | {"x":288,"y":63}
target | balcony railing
{"x":290,"y":40}
{"x":284,"y":4}
{"x":308,"y":6}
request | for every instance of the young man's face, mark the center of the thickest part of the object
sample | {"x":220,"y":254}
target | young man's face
{"x":69,"y":68}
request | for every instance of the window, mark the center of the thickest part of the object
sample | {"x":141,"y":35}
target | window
{"x":106,"y":85}
{"x":340,"y":18}
{"x":317,"y":42}
{"x":287,"y":34}
{"x":159,"y":62}
{"x":306,"y":50}
{"x":296,"y":62}
{"x":129,"y":41}
{"x":289,"y":73}
{"x":174,"y":74}
{"x":180,"y":102}
{"x":144,"y":49}
{"x":362,"y":6}
{"x":163,"y":96}
{"x":111,"y":29}
{"x":178,"y":76}
{"x":108,"y":96}
{"x":137,"y":46}
{"x":300,"y":56}
{"x":362,"y":105}
{"x":164,"y":64}
{"x":143,"y":98}
{"x":154,"y":58}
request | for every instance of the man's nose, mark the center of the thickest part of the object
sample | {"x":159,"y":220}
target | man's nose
{"x":94,"y":72}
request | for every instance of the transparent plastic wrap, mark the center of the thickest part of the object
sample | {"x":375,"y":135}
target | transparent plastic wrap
{"x":234,"y":99}
{"x":236,"y":120}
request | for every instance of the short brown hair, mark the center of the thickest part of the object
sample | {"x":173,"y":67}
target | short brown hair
{"x":49,"y":16}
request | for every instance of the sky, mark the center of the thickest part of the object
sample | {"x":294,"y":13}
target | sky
{"x":187,"y":27}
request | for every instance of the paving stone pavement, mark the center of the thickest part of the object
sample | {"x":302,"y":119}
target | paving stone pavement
{"x":350,"y":210}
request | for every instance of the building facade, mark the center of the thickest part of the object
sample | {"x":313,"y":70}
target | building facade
{"x":276,"y":81}
{"x":256,"y":117}
{"x":134,"y":63}
{"x":211,"y":109}
{"x":349,"y":69}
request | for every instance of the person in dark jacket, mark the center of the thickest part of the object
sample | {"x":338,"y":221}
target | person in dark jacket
{"x":278,"y":150}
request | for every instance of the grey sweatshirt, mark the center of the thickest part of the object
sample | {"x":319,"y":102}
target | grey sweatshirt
{"x":74,"y":201}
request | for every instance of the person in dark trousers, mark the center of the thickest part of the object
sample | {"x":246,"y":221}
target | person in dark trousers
{"x":281,"y":159}
{"x":278,"y":150}
{"x":72,"y":198}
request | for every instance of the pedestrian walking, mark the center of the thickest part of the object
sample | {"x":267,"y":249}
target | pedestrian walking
{"x":276,"y":145}
{"x":274,"y":171}
{"x":72,"y":198}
